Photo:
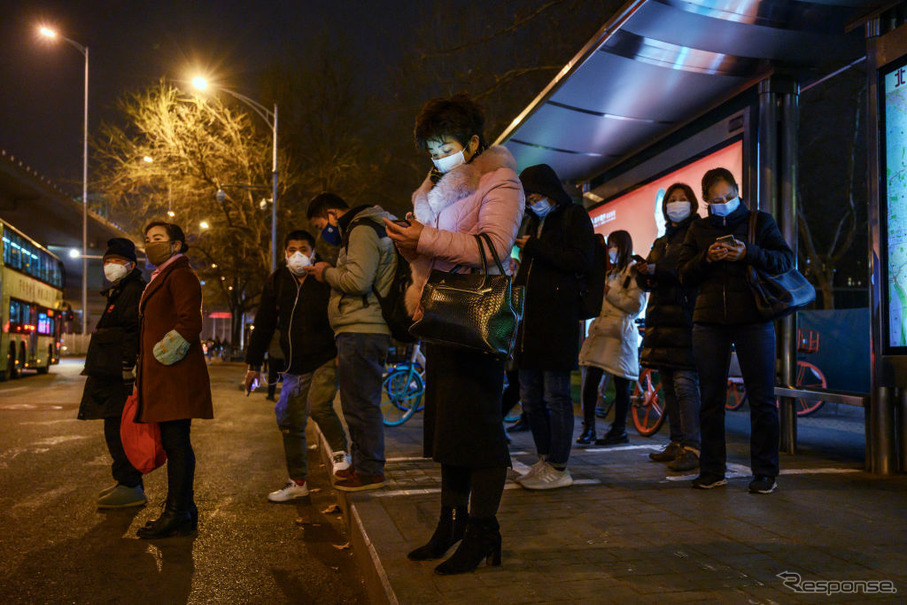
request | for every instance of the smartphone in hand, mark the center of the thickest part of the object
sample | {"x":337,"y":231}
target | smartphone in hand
{"x":402,"y":222}
{"x":638,"y":258}
{"x":726,"y":239}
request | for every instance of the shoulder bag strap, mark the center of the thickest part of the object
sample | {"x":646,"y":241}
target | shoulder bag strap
{"x":494,"y":254}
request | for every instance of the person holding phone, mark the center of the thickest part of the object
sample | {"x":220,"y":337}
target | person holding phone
{"x":667,"y":344}
{"x":471,"y":189}
{"x":613,"y":342}
{"x":557,"y":250}
{"x":715,"y":258}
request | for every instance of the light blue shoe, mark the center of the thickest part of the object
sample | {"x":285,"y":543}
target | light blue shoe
{"x":122,"y":496}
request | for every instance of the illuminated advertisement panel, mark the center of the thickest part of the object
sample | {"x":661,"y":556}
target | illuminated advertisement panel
{"x":639,"y":211}
{"x":893,"y":131}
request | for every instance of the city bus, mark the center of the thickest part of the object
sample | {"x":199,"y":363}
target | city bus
{"x":31,"y":300}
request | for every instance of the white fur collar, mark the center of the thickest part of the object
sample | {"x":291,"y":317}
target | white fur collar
{"x":462,"y":181}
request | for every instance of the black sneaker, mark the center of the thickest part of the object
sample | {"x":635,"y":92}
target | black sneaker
{"x":708,"y":482}
{"x":519,"y":426}
{"x":687,"y":460}
{"x":763,"y":484}
{"x":669,"y":453}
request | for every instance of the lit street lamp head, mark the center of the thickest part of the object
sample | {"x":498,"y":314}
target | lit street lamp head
{"x":47,"y":32}
{"x":200,"y":83}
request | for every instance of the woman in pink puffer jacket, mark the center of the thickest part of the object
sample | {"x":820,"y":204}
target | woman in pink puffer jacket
{"x":472,"y":189}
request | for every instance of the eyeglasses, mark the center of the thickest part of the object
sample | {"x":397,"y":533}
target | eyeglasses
{"x":723,"y":199}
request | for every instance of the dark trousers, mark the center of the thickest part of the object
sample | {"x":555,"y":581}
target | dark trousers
{"x":511,"y":395}
{"x":485,"y":485}
{"x":180,"y":463}
{"x":122,"y":470}
{"x":275,"y":366}
{"x":755,"y":346}
{"x":681,"y":389}
{"x":549,"y":409}
{"x":621,"y":398}
{"x":360,"y":367}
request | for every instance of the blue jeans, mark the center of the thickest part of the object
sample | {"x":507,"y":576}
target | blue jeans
{"x":300,"y":395}
{"x":549,"y":409}
{"x":755,"y":346}
{"x":681,"y":389}
{"x":360,"y":368}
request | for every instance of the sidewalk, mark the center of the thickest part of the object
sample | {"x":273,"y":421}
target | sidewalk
{"x":625,"y":532}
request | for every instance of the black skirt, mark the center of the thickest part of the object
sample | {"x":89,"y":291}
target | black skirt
{"x":462,"y":416}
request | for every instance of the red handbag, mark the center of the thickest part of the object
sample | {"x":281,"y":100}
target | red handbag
{"x":141,"y":440}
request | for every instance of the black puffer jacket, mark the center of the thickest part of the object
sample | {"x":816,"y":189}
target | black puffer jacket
{"x":724,"y":295}
{"x":104,"y":396}
{"x":548,"y":337}
{"x":300,"y":311}
{"x":667,"y":342}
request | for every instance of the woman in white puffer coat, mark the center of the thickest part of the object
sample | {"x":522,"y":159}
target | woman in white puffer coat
{"x":613,"y":342}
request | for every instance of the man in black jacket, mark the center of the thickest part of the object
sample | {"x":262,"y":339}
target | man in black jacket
{"x":110,"y":367}
{"x":556,"y":252}
{"x":298,"y":305}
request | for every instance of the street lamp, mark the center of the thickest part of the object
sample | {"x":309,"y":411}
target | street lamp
{"x":270,"y":118}
{"x":49,"y":33}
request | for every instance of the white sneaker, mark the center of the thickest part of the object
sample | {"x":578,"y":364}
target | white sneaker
{"x":533,"y":471}
{"x":548,"y":478}
{"x":340,"y":461}
{"x":291,"y":491}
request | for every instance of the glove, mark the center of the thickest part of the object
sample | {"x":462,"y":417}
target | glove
{"x":171,"y":348}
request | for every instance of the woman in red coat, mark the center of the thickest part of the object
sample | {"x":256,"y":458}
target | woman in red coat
{"x":172,"y":382}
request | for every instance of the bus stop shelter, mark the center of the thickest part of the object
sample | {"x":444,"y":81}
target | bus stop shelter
{"x":664,"y":82}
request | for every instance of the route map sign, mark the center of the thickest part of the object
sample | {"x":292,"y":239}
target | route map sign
{"x":894,"y":213}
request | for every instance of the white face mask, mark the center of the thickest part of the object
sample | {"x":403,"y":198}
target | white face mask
{"x":115,"y":271}
{"x":298,"y":262}
{"x":678,"y":211}
{"x":541,"y":208}
{"x":448,"y":163}
{"x":612,"y":254}
{"x":726,"y":208}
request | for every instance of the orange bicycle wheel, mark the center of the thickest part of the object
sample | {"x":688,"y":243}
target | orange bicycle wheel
{"x":646,"y":404}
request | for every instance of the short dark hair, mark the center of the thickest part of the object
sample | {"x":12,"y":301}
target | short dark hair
{"x":299,"y":234}
{"x":713,"y":176}
{"x":458,"y":116}
{"x":173,"y":232}
{"x":688,"y":191}
{"x":323,"y":202}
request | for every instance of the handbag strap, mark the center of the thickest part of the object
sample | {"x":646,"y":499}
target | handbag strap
{"x":484,"y":237}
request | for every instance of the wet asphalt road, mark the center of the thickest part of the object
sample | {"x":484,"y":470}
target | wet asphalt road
{"x":57,"y":547}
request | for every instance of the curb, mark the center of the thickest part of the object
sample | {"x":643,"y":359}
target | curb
{"x":377,"y":584}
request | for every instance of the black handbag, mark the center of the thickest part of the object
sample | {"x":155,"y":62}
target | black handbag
{"x":777,"y":295}
{"x":475,"y":311}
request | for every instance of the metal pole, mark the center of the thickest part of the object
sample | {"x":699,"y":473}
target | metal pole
{"x":274,"y":198}
{"x":790,"y":118}
{"x":768,"y":149}
{"x":85,"y":206}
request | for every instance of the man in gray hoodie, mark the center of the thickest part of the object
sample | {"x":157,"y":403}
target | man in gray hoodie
{"x":366,"y":264}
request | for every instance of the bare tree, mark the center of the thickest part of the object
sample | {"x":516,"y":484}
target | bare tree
{"x":176,"y":151}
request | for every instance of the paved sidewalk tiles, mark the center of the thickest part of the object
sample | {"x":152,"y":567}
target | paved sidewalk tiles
{"x":629,"y":532}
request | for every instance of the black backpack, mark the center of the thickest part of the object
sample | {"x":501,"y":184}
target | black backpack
{"x":393,"y":305}
{"x":592,"y":285}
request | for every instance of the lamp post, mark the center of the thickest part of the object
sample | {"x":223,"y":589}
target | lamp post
{"x":49,"y":33}
{"x":270,"y":118}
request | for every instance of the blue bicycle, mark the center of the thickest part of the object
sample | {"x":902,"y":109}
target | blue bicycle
{"x":402,"y":389}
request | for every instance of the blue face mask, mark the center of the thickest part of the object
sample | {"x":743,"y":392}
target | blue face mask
{"x":331,"y":235}
{"x":726,"y":208}
{"x":541,"y":208}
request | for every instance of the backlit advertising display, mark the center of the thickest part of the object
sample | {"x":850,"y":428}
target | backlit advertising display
{"x":639,"y":211}
{"x":893,"y":210}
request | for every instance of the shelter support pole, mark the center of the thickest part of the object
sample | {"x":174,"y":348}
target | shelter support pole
{"x":790,"y":121}
{"x":881,"y":451}
{"x":768,"y":149}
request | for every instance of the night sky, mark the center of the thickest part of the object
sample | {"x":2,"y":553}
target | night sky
{"x":133,"y":44}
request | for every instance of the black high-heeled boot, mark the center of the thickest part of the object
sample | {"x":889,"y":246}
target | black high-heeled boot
{"x":482,"y":541}
{"x":174,"y":521}
{"x":450,"y":530}
{"x":588,"y":434}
